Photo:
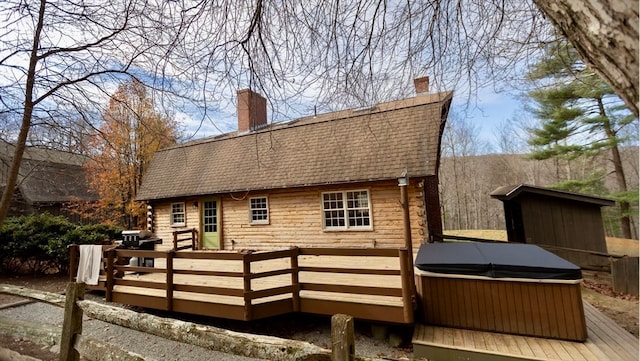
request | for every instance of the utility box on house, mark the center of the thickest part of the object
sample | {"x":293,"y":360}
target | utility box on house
{"x":566,"y":222}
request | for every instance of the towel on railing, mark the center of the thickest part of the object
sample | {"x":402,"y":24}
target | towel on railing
{"x":89,"y":265}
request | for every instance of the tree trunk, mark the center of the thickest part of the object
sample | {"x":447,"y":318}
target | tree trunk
{"x":39,"y":333}
{"x":29,"y":103}
{"x":605,"y":34}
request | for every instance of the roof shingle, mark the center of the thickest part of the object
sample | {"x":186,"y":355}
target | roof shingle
{"x":342,"y":147}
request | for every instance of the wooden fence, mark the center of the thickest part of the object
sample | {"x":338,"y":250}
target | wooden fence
{"x":624,"y":272}
{"x":238,"y":286}
{"x":74,"y":344}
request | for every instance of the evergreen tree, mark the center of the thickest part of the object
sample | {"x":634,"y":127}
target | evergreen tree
{"x":580,"y":116}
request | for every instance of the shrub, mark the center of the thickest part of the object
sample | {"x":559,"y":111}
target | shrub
{"x":39,"y":243}
{"x":87,"y":234}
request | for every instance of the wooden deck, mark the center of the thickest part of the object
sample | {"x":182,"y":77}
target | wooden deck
{"x":365,"y":283}
{"x":606,"y":341}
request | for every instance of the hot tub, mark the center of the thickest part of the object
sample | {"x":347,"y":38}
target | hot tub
{"x":500,"y":287}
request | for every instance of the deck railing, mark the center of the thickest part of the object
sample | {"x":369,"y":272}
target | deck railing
{"x":251,"y":291}
{"x":193,"y":240}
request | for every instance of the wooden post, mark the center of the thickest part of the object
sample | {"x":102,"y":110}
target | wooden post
{"x":169,"y":285}
{"x":342,"y":338}
{"x":407,"y":236}
{"x":295,"y":281}
{"x":72,"y":325}
{"x":194,"y":239}
{"x":73,"y":261}
{"x":408,"y":242}
{"x":408,"y":295}
{"x":175,"y":240}
{"x":246,"y":271}
{"x":110,"y":270}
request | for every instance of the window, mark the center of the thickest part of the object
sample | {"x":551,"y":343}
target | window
{"x":177,"y":215}
{"x":258,"y":210}
{"x":346,"y":210}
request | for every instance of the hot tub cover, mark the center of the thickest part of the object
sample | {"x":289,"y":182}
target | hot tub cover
{"x":498,"y":260}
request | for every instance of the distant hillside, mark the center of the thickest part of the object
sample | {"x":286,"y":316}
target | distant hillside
{"x":465,"y":184}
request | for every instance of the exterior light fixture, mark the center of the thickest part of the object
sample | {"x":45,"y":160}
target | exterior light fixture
{"x":404,"y":179}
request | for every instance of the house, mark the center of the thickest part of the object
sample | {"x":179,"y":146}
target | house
{"x":561,"y":221}
{"x":328,"y":180}
{"x":47,"y":181}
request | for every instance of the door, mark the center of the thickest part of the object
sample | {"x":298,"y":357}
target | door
{"x":211,"y":223}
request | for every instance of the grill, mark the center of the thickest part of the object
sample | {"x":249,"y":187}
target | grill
{"x":141,"y":240}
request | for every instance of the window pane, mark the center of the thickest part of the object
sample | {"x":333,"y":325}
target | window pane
{"x":334,"y":218}
{"x":258,"y":210}
{"x":357,"y":199}
{"x":177,"y":214}
{"x":359,"y":218}
{"x":346,"y":209}
{"x":210,"y":217}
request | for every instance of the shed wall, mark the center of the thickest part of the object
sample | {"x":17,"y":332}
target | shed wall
{"x":562,"y":223}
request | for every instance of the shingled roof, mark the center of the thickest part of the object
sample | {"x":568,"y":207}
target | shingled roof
{"x":371,"y":144}
{"x":47,"y":175}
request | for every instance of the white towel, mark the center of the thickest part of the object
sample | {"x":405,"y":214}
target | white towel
{"x":89,"y":265}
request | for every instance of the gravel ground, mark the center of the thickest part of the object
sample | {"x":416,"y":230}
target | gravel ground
{"x":150,"y":346}
{"x":316,"y":330}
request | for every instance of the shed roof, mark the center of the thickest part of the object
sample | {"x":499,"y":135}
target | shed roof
{"x":348,"y":146}
{"x":507,"y":193}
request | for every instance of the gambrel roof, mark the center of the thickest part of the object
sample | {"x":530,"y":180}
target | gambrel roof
{"x":376,"y":143}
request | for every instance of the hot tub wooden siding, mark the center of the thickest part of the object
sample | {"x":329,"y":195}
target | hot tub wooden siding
{"x":543,"y":309}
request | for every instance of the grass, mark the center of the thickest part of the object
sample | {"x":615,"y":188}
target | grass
{"x":615,"y":246}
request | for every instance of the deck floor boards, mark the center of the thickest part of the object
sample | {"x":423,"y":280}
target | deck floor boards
{"x":606,"y":341}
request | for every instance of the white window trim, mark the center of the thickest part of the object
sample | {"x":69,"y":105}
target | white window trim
{"x":184,"y":214}
{"x":261,"y":221}
{"x":346,"y":214}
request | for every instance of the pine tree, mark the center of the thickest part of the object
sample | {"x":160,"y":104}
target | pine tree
{"x":580,"y":116}
{"x":131,"y":132}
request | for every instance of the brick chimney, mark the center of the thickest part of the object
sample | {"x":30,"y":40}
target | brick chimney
{"x":421,"y":84}
{"x":252,"y":111}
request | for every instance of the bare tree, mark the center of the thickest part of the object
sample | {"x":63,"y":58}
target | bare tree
{"x":463,"y":198}
{"x":60,"y":56}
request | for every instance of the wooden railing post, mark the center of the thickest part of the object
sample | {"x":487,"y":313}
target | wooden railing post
{"x":110,"y":275}
{"x":74,"y":249}
{"x":194,"y":239}
{"x":246,"y":275}
{"x":295,"y":279}
{"x":175,"y":240}
{"x":342,"y":338}
{"x":169,"y":285}
{"x":72,"y":325}
{"x":408,"y":292}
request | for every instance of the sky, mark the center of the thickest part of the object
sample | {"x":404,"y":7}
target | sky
{"x":486,"y":112}
{"x":489,"y":112}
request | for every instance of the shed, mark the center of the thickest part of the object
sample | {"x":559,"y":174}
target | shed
{"x":566,"y":223}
